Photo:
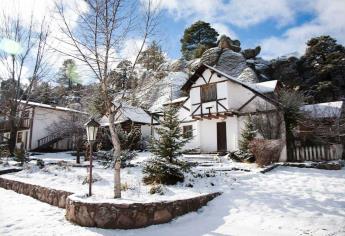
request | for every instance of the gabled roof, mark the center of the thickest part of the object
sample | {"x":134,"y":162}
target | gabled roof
{"x":324,"y":110}
{"x":177,"y":100}
{"x":257,"y":88}
{"x":265,"y":87}
{"x":135,"y":114}
{"x":36,"y":104}
{"x":129,"y":113}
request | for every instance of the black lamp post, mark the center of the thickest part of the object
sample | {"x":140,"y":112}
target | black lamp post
{"x":91,"y":131}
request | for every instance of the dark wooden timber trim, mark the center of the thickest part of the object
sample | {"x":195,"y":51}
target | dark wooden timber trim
{"x":219,"y":99}
{"x":216,"y":82}
{"x":187,"y":86}
{"x":247,"y":102}
{"x":221,"y":105}
{"x":257,"y":112}
{"x":186,"y":108}
{"x":196,"y":109}
{"x":188,"y":121}
{"x":209,"y":79}
{"x":203,"y":78}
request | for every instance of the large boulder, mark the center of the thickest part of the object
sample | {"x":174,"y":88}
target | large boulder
{"x":251,"y":53}
{"x":226,"y":42}
{"x":248,"y":76}
{"x":229,"y":62}
{"x":211,"y":56}
{"x":232,"y":63}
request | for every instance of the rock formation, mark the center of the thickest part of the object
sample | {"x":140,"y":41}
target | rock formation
{"x":226,"y":58}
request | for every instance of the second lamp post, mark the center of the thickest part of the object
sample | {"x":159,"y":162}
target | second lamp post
{"x":91,"y":132}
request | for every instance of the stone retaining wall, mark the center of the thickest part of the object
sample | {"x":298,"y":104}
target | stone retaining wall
{"x":131,"y":216}
{"x":44,"y":194}
{"x":109,"y":215}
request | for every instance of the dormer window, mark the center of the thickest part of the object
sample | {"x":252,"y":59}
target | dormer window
{"x":208,"y":92}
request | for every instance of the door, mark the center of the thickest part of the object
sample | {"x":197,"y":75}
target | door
{"x":221,"y":137}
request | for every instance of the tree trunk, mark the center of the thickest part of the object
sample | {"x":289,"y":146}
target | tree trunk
{"x":78,"y":155}
{"x":117,"y":153}
{"x":13,"y":138}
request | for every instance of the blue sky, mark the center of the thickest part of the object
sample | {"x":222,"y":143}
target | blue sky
{"x":279,"y":26}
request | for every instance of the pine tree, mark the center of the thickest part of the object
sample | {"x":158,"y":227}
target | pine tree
{"x":197,"y":38}
{"x":170,"y":142}
{"x":68,"y":75}
{"x":165,"y":168}
{"x":247,"y":135}
{"x":152,"y":57}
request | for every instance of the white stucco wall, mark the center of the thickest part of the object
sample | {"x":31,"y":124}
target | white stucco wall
{"x":145,"y":131}
{"x":208,"y":134}
{"x":43,"y":120}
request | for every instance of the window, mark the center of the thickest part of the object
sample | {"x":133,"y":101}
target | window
{"x":20,"y":137}
{"x":26,"y":114}
{"x":187,"y":131}
{"x":208,"y":92}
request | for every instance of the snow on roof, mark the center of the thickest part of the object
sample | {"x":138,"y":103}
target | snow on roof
{"x":177,"y":100}
{"x":135,"y":114}
{"x":265,"y":87}
{"x":52,"y":107}
{"x":324,"y":110}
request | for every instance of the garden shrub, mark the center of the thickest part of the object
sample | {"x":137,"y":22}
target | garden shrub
{"x":157,"y":189}
{"x":158,"y":171}
{"x":40,"y":163}
{"x":242,"y":156}
{"x":20,"y":155}
{"x":266,"y":151}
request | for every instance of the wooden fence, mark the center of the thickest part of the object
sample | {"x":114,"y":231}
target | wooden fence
{"x":317,"y":153}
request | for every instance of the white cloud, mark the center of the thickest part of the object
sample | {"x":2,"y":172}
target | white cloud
{"x":329,"y":20}
{"x":37,"y":11}
{"x":241,"y":13}
{"x":131,"y":49}
{"x":224,"y":29}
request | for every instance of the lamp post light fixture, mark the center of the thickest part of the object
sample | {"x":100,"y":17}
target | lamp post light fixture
{"x":91,"y":132}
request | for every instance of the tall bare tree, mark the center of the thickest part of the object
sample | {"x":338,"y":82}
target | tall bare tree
{"x":22,"y":64}
{"x":100,"y":32}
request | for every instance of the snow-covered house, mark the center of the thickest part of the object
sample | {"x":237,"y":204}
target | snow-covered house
{"x":325,"y":119}
{"x":218,"y":106}
{"x":34,"y":131}
{"x":131,"y":117}
{"x":326,"y":110}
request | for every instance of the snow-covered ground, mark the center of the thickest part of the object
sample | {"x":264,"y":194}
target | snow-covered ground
{"x":71,"y":179}
{"x":285,"y":201}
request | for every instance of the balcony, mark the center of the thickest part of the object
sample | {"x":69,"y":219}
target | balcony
{"x":5,"y":126}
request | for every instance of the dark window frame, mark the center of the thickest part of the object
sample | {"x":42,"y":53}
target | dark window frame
{"x":208,"y":92}
{"x":20,"y":137}
{"x":187,"y":131}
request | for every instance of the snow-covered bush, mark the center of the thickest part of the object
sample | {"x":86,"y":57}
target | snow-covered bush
{"x":4,"y":150}
{"x":95,"y":177}
{"x":40,"y":163}
{"x":242,"y":156}
{"x":157,"y":189}
{"x":107,"y":159}
{"x":20,"y":155}
{"x":158,"y":171}
{"x":30,"y":168}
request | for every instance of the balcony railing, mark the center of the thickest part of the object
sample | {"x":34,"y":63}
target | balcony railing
{"x":6,"y":125}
